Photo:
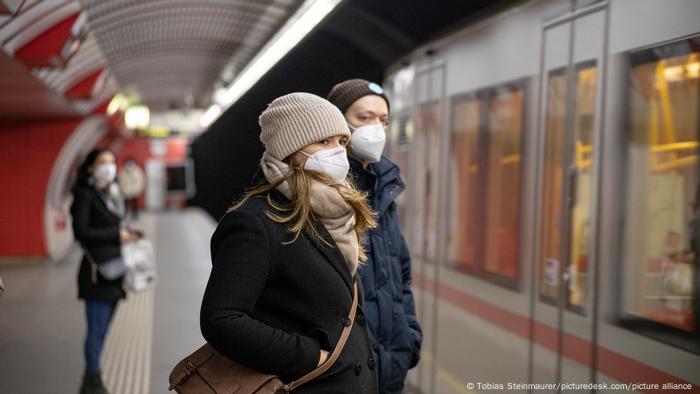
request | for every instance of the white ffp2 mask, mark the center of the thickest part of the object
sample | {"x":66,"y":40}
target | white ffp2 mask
{"x":367,"y":142}
{"x":105,"y":172}
{"x":333,"y":161}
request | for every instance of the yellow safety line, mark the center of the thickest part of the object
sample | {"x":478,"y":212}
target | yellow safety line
{"x":126,"y":357}
{"x":458,"y":385}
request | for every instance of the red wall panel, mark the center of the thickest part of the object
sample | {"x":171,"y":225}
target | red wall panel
{"x":139,"y":149}
{"x":27,"y":154}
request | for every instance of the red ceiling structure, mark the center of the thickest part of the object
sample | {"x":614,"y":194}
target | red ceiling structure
{"x":45,"y":49}
{"x":83,"y":88}
{"x":83,"y":53}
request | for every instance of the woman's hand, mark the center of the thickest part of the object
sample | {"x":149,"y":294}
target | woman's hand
{"x":322,"y":359}
{"x":127,"y":236}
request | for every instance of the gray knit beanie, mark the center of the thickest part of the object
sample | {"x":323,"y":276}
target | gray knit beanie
{"x":347,"y":92}
{"x":296,"y":120}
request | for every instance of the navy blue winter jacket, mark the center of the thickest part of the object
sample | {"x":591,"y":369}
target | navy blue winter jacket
{"x":386,"y":275}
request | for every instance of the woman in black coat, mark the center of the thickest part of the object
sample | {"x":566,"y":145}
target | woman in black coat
{"x":97,"y":212}
{"x":285,"y":257}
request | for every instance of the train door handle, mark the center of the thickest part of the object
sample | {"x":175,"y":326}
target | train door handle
{"x":573,"y":177}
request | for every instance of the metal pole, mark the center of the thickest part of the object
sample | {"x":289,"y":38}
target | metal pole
{"x":597,"y":195}
{"x":568,"y":196}
{"x":539,"y":166}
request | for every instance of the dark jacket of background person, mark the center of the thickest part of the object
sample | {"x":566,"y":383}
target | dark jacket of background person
{"x":96,"y":228}
{"x":272,"y":306}
{"x":386,"y":275}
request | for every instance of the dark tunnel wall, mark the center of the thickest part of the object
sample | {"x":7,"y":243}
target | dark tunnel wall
{"x":226,"y":156}
{"x":359,"y":40}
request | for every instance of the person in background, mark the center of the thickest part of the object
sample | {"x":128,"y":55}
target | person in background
{"x":285,"y":256}
{"x":391,"y":315}
{"x":131,"y":183}
{"x":97,"y":211}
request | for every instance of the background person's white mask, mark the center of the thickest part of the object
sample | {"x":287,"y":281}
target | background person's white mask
{"x":105,"y":172}
{"x":367,"y":142}
{"x":333,"y":161}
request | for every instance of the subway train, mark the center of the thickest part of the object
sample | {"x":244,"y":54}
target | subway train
{"x":552,"y":205}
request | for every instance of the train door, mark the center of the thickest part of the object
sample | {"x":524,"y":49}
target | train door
{"x":564,"y":308}
{"x":426,"y":209}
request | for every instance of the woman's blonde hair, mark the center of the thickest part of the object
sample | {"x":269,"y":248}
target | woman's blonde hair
{"x":299,"y":212}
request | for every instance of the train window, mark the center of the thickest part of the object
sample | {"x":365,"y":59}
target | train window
{"x":554,"y":170}
{"x":485,"y":165}
{"x":505,"y":122}
{"x":464,"y":183}
{"x":662,"y":220}
{"x":552,"y":183}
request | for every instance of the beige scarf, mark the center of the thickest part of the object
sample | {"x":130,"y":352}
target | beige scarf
{"x":327,"y":204}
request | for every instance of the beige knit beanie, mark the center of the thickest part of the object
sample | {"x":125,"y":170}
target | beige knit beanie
{"x":296,"y":120}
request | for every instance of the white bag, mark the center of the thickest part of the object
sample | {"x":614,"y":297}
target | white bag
{"x":141,"y":264}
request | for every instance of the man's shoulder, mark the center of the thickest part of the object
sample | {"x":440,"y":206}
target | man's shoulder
{"x":385,"y":167}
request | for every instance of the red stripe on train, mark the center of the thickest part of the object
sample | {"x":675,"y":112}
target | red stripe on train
{"x":611,"y":363}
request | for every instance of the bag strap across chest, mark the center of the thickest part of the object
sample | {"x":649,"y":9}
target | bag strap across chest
{"x":336,"y":352}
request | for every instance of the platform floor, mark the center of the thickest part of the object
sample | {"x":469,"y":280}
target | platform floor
{"x":42,"y":323}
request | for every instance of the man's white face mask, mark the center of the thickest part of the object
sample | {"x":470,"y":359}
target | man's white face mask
{"x":367,"y":142}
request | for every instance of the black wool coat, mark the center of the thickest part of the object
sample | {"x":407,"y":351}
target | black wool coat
{"x":272,"y":305}
{"x":97,"y":229}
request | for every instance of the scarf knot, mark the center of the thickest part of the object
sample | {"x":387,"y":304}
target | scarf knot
{"x":337,"y":216}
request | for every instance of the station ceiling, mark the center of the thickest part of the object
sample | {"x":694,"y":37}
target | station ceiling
{"x":72,"y":56}
{"x":170,"y":53}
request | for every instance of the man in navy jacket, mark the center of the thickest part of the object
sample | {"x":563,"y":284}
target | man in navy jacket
{"x":386,"y":275}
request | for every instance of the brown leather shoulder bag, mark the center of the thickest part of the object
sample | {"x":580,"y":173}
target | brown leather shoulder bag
{"x":207,"y":371}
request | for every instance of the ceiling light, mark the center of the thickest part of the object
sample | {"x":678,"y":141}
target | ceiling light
{"x":210,"y":116}
{"x":309,"y":14}
{"x":118,"y":102}
{"x":219,"y":95}
{"x":137,"y":117}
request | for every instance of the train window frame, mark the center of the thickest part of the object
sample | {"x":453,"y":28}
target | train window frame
{"x":398,"y":148}
{"x":423,"y":250}
{"x":484,"y":96}
{"x":664,"y":333}
{"x":553,"y":301}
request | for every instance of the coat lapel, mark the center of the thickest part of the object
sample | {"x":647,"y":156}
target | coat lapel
{"x":103,"y":204}
{"x":331,"y":253}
